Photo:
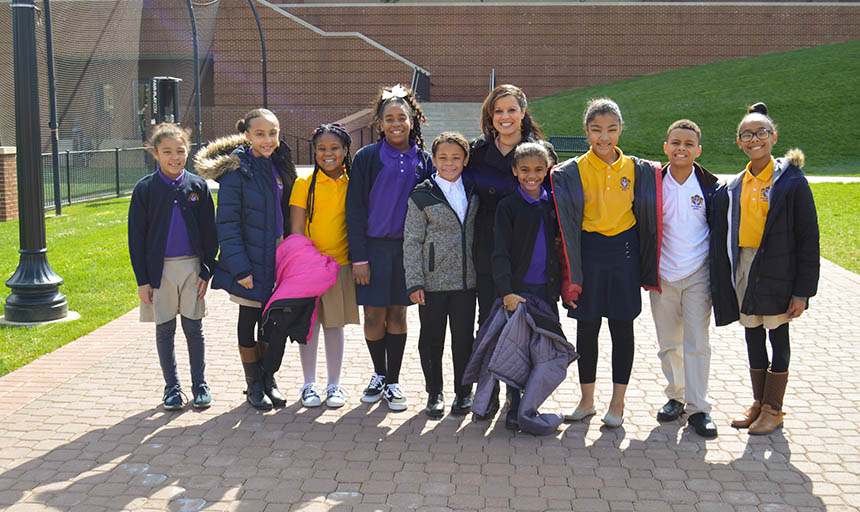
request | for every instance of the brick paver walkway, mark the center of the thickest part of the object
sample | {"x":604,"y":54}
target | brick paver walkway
{"x":82,"y":429}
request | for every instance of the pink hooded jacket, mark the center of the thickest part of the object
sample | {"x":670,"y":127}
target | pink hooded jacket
{"x":302,"y":272}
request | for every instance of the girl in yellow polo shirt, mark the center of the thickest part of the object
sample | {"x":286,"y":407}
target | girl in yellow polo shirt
{"x":318,"y":211}
{"x":608,"y":206}
{"x":764,"y":260}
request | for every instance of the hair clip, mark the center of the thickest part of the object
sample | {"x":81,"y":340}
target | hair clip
{"x":398,"y":91}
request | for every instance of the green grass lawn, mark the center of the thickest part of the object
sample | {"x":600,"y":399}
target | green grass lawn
{"x":812,"y":94}
{"x":87,"y":247}
{"x":839,"y":221}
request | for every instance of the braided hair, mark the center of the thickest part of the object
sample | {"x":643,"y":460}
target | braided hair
{"x":403,"y":96}
{"x":340,"y":132}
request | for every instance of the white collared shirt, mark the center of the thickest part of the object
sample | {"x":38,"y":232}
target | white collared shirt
{"x":455,"y":193}
{"x":685,"y":228}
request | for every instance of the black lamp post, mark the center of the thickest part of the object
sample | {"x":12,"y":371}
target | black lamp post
{"x":35,"y":286}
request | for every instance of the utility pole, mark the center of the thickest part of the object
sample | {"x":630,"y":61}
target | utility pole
{"x":35,"y":286}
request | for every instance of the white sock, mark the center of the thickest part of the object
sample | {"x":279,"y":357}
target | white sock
{"x":333,"y":353}
{"x":308,"y":354}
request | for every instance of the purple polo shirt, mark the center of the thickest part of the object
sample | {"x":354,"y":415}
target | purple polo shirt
{"x":389,"y":196}
{"x":279,"y":213}
{"x":178,"y":243}
{"x":536,"y":273}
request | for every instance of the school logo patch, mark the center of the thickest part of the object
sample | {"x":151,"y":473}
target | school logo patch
{"x":280,"y":182}
{"x":193,"y":197}
{"x":765,"y":194}
{"x":697,"y":202}
{"x":625,"y":183}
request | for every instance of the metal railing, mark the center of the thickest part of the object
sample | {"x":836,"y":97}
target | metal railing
{"x":100,"y":173}
{"x":96,"y":173}
{"x":421,"y":83}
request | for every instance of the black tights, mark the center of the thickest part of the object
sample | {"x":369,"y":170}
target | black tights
{"x":757,"y":349}
{"x":249,"y":317}
{"x":622,"y":350}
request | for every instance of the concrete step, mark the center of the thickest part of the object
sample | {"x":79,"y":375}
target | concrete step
{"x":459,"y":117}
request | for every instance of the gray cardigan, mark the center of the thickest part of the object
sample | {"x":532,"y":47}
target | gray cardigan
{"x":437,"y":247}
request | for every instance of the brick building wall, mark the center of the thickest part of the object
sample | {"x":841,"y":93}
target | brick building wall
{"x":547,"y":49}
{"x":311,"y":78}
{"x":8,"y":184}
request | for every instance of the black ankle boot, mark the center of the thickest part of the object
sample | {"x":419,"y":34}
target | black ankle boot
{"x":256,"y":392}
{"x":270,"y":387}
{"x":512,"y":421}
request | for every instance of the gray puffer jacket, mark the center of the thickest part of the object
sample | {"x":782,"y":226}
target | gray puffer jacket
{"x":437,"y":247}
{"x":527,"y":350}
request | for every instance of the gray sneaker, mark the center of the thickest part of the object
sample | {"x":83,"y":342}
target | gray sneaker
{"x":373,"y":391}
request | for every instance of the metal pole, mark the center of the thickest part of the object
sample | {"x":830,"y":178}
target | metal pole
{"x":199,"y":122}
{"x":35,"y":286}
{"x":116,"y":166}
{"x":263,"y":48}
{"x":68,"y":176}
{"x":52,"y":97}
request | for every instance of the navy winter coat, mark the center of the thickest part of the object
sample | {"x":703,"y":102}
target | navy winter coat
{"x":246,"y":215}
{"x":787,"y":262}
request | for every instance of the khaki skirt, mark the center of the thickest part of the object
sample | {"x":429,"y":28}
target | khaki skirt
{"x":338,"y":307}
{"x":747,"y":254}
{"x":177,"y":294}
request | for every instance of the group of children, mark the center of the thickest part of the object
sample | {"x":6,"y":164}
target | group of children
{"x":497,"y":220}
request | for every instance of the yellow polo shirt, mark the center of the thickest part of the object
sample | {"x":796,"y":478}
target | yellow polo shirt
{"x":755,"y":203}
{"x":608,"y":193}
{"x":328,"y":229}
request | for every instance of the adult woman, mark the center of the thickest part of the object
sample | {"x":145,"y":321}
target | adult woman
{"x":505,"y":123}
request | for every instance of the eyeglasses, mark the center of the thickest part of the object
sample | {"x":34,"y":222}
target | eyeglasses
{"x":762,"y":134}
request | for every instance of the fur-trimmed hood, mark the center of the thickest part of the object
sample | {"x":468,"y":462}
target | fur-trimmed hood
{"x":216,"y":158}
{"x":220,"y":157}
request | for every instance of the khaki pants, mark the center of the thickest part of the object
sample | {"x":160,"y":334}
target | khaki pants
{"x":682,"y":314}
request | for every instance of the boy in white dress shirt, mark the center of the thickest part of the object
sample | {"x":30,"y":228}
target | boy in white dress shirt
{"x":682,"y":310}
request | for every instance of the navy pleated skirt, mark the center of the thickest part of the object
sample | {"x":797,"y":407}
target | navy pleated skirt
{"x":610,"y":281}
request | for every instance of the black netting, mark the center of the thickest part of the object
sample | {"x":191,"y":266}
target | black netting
{"x":105,"y":56}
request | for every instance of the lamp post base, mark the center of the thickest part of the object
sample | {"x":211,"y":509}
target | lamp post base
{"x":35,"y":293}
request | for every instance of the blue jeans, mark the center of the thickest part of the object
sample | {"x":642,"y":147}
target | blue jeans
{"x":164,"y":334}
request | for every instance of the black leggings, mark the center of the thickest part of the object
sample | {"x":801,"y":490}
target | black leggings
{"x":622,"y":350}
{"x":757,"y":349}
{"x":249,"y":317}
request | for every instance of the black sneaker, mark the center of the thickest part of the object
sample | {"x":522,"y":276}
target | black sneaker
{"x":394,"y":397}
{"x":435,"y":406}
{"x":671,"y":411}
{"x":373,"y":391}
{"x":703,"y":425}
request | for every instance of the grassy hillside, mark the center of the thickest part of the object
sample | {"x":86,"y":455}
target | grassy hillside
{"x":812,"y":94}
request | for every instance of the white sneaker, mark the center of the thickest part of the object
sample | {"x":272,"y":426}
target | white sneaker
{"x":335,"y":396}
{"x":395,"y":398}
{"x":310,"y":397}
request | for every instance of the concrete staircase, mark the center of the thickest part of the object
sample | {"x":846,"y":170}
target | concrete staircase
{"x":459,"y":117}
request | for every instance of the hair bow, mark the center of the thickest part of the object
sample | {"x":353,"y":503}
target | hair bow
{"x":398,"y":91}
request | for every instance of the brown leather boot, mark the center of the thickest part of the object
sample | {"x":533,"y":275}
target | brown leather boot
{"x":771,"y":414}
{"x":749,"y":416}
